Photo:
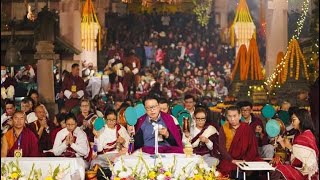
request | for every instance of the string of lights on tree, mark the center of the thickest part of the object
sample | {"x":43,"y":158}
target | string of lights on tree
{"x":280,"y":67}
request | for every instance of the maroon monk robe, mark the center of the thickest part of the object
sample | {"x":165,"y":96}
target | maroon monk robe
{"x":88,"y":130}
{"x":172,"y":128}
{"x":243,"y":147}
{"x":54,"y":133}
{"x":202,"y":148}
{"x":28,"y":144}
{"x":67,"y":83}
{"x":255,"y":121}
{"x":45,"y":142}
{"x":308,"y":141}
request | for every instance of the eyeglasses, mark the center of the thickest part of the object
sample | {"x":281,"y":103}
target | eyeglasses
{"x":152,"y":107}
{"x":200,"y":119}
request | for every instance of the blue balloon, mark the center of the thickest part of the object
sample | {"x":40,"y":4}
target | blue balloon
{"x":176,"y":109}
{"x":273,"y":128}
{"x":284,"y":116}
{"x":222,"y":122}
{"x":99,"y":124}
{"x":140,"y":110}
{"x":183,"y":114}
{"x":268,"y":111}
{"x":131,"y":116}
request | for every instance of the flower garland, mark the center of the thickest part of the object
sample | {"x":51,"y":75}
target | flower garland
{"x":202,"y":10}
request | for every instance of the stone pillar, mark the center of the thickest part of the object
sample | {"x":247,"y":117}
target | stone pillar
{"x":277,"y":32}
{"x":45,"y":56}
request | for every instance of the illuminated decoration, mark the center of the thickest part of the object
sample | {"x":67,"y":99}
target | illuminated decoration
{"x":243,"y":27}
{"x":126,"y":1}
{"x":248,"y":62}
{"x":281,"y":75}
{"x":271,"y":80}
{"x":90,"y":32}
{"x":30,"y":15}
{"x":149,"y":3}
{"x":290,"y":65}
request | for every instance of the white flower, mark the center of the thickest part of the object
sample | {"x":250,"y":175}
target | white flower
{"x":207,"y":169}
{"x":14,"y":169}
{"x":3,"y":178}
{"x":161,"y":177}
{"x":122,"y":174}
{"x":60,"y":175}
{"x":22,"y":178}
{"x":195,"y":171}
{"x":216,"y":173}
{"x":201,"y":165}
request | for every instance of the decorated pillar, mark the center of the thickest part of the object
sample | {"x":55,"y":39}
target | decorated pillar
{"x":243,"y":28}
{"x":90,"y":34}
{"x":277,"y":32}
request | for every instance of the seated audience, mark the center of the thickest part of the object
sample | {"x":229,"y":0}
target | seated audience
{"x":85,"y":118}
{"x":6,"y":118}
{"x":71,"y":141}
{"x":42,"y":128}
{"x":169,"y":140}
{"x":203,"y":138}
{"x":19,"y":139}
{"x":304,"y":150}
{"x":237,"y":142}
{"x":112,"y":141}
{"x":266,"y":150}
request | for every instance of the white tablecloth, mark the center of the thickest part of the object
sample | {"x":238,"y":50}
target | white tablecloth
{"x":76,"y":169}
{"x":130,"y":161}
{"x":94,"y":84}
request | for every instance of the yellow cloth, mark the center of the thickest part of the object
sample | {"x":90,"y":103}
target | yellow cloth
{"x":10,"y":138}
{"x":229,"y":135}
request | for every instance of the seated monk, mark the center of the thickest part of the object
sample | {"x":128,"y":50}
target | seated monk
{"x":203,"y":138}
{"x":19,"y":138}
{"x":237,"y":142}
{"x":169,"y":137}
{"x":42,"y":128}
{"x":85,"y":118}
{"x":112,"y":140}
{"x":71,"y":141}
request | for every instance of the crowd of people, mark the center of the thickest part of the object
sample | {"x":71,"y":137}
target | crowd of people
{"x":159,"y":60}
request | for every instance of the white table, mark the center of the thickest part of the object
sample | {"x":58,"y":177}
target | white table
{"x":254,"y":166}
{"x":130,"y":161}
{"x":76,"y":169}
{"x":95,"y":83}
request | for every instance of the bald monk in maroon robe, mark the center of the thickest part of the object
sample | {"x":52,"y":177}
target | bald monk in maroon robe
{"x":42,"y":128}
{"x":73,"y":88}
{"x":19,"y":138}
{"x":237,"y":142}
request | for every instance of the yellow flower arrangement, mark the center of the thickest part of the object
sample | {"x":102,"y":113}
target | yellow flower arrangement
{"x":49,"y":178}
{"x":14,"y":175}
{"x":152,"y":175}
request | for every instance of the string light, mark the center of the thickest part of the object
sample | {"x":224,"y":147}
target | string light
{"x":282,"y":64}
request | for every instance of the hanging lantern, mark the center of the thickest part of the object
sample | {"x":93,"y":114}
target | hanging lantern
{"x":243,"y":28}
{"x":90,"y":28}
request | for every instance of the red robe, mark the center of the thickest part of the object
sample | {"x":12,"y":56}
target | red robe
{"x":203,"y":149}
{"x":173,"y":130}
{"x":243,"y":147}
{"x":67,"y":83}
{"x":29,"y":144}
{"x":45,"y":142}
{"x":306,"y":142}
